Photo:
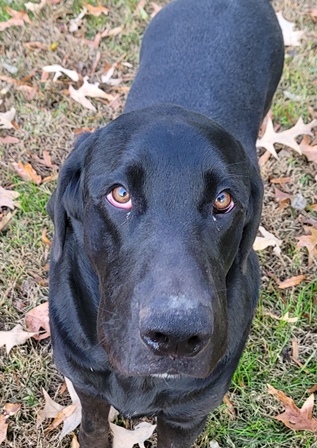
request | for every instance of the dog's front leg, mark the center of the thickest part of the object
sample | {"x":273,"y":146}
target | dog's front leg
{"x":94,"y":430}
{"x":171,"y":435}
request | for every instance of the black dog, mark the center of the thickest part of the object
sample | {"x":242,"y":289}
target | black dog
{"x":153,"y":280}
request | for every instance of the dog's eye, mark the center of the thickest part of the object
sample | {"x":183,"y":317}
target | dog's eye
{"x":223,"y":202}
{"x":120,"y":197}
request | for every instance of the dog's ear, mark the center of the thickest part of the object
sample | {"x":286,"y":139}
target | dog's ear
{"x":252,"y":220}
{"x":66,"y":202}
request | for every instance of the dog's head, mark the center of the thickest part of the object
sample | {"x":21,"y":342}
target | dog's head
{"x":165,"y":202}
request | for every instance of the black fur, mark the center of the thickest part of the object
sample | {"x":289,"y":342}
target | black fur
{"x":173,"y":265}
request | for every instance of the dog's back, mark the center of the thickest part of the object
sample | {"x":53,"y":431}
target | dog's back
{"x":212,"y":56}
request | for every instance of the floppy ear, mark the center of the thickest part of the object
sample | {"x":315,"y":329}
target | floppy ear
{"x":66,"y":201}
{"x":253,"y":219}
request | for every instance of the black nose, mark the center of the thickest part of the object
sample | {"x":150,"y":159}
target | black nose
{"x":181,"y":336}
{"x":170,"y":345}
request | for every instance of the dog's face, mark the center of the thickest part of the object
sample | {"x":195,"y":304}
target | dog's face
{"x":166,"y":202}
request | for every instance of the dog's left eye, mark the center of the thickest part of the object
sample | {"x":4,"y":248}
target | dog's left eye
{"x":223,"y":203}
{"x":120,"y":197}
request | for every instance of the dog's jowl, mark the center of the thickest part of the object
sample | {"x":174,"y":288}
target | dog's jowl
{"x":153,"y":280}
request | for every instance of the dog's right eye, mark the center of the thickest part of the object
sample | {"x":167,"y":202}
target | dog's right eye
{"x":120,"y":197}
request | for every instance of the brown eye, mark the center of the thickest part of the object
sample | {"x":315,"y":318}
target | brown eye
{"x":223,"y":202}
{"x":120,"y":197}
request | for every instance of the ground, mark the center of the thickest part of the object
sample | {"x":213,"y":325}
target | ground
{"x":50,"y":120}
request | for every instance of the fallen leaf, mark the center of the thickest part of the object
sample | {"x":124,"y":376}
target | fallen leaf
{"x":293,"y":281}
{"x":91,"y":90}
{"x":291,"y":38}
{"x":4,"y":221}
{"x":313,"y":207}
{"x":51,"y":409}
{"x":298,"y":202}
{"x":3,"y":428}
{"x":285,"y":318}
{"x":45,"y":240}
{"x":35,"y":45}
{"x":29,"y":92}
{"x":63,"y":414}
{"x":71,"y":422}
{"x":16,"y":336}
{"x":282,"y":198}
{"x":9,"y":409}
{"x":313,"y":15}
{"x":35,"y":7}
{"x":267,"y":239}
{"x":113,"y":32}
{"x":280,"y":180}
{"x":125,"y":438}
{"x":8,"y":140}
{"x":75,"y":443}
{"x":310,"y":151}
{"x":7,"y":198}
{"x":58,"y":70}
{"x":293,"y":417}
{"x":17,"y":18}
{"x":74,"y":24}
{"x":310,"y":242}
{"x":312,"y":389}
{"x":156,"y":8}
{"x":286,"y":138}
{"x":27,"y":172}
{"x":96,"y":10}
{"x":37,"y":319}
{"x":229,"y":405}
{"x":6,"y":119}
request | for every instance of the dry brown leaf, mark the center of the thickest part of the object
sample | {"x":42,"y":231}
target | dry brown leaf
{"x":293,"y":417}
{"x":9,"y":409}
{"x":282,"y":198}
{"x":285,"y":318}
{"x":310,"y":151}
{"x":9,"y":140}
{"x":113,"y":32}
{"x":156,"y":8}
{"x":229,"y":405}
{"x":51,"y":409}
{"x":29,"y":92}
{"x":17,"y":18}
{"x":96,"y":10}
{"x":5,"y":220}
{"x":45,"y":240}
{"x":3,"y":428}
{"x":280,"y":180}
{"x":6,"y":119}
{"x":267,"y":239}
{"x":61,"y":417}
{"x":72,"y":421}
{"x":313,"y":15}
{"x":293,"y":281}
{"x":58,"y":70}
{"x":124,"y":438}
{"x":27,"y":172}
{"x":35,"y":45}
{"x":16,"y":336}
{"x":312,"y":389}
{"x":7,"y":198}
{"x":286,"y":138}
{"x":37,"y":319}
{"x":91,"y":90}
{"x":75,"y":443}
{"x":310,"y":242}
{"x":35,"y":7}
{"x":291,"y":38}
{"x":313,"y":207}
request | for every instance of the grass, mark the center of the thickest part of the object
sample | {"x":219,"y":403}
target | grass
{"x":49,"y":122}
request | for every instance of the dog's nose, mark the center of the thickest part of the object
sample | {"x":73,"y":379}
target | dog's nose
{"x":180,"y":336}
